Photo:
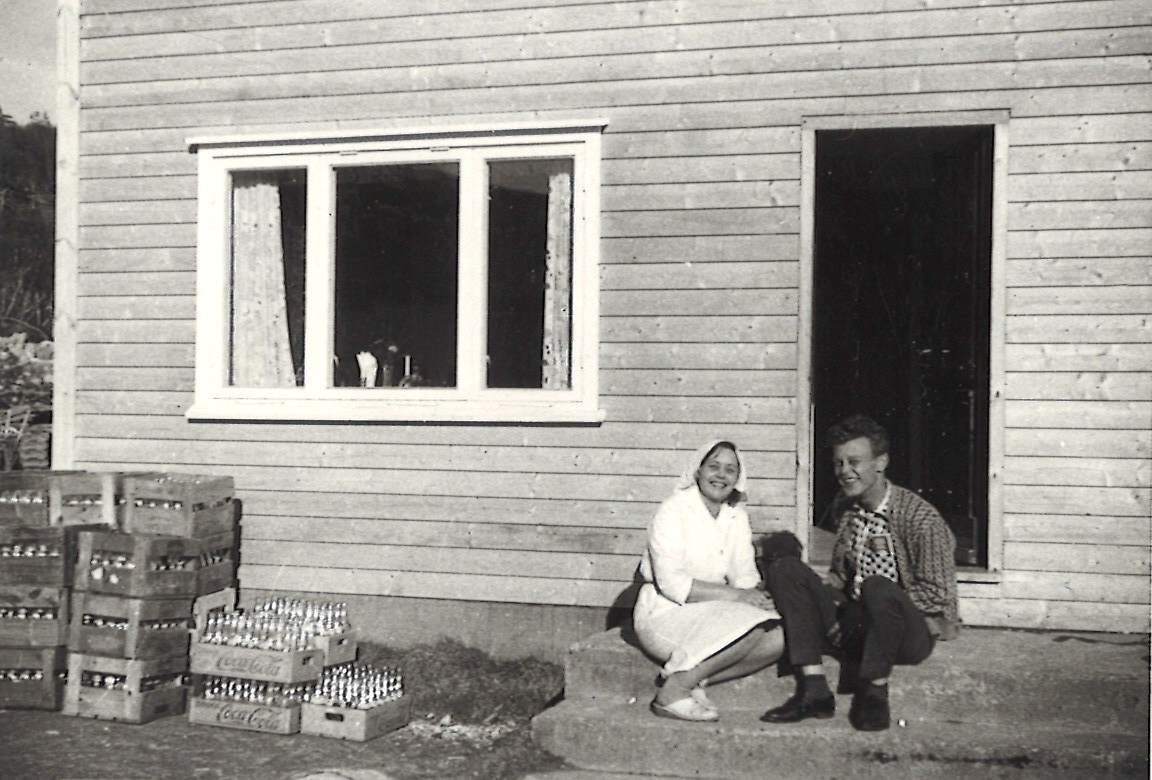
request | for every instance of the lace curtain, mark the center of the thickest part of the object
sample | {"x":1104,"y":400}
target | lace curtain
{"x":261,"y":352}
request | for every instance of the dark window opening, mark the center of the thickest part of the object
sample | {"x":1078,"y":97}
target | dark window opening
{"x":396,"y":275}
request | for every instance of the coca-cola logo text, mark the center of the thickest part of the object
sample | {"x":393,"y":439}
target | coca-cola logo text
{"x":249,"y":666}
{"x":255,"y":717}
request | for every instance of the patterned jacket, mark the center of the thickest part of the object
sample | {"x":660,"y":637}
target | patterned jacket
{"x":925,"y":555}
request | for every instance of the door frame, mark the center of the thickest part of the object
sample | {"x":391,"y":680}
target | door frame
{"x":805,"y":445}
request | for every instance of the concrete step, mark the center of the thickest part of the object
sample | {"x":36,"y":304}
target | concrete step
{"x":986,"y":675}
{"x":609,"y":737}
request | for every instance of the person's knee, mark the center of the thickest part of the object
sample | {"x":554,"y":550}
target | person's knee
{"x":877,"y":586}
{"x":783,"y":570}
{"x":764,"y":646}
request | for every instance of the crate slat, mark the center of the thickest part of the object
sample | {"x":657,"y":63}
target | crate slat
{"x":122,"y":627}
{"x":354,"y":724}
{"x":45,"y":693}
{"x":265,"y":718}
{"x":126,"y":565}
{"x":256,"y":664}
{"x":131,"y":702}
{"x":44,"y":620}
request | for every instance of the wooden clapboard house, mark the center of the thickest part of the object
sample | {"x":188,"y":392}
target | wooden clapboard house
{"x":451,"y":288}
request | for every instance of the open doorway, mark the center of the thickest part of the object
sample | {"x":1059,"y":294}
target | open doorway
{"x":901,"y":307}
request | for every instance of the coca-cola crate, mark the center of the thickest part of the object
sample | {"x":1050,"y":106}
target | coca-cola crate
{"x":216,"y":563}
{"x":357,"y":725}
{"x":31,"y":678}
{"x":138,"y":566}
{"x":38,"y":555}
{"x":256,"y":664}
{"x":209,"y":604}
{"x":33,"y":616}
{"x":337,"y":648}
{"x":129,"y":628}
{"x":83,"y":498}
{"x":268,"y":718}
{"x":189,"y":505}
{"x":132,"y":691}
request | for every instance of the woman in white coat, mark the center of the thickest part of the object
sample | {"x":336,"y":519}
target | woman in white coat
{"x":700,"y":610}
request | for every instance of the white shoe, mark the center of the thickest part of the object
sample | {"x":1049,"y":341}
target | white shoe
{"x":684,"y":709}
{"x":701,"y":698}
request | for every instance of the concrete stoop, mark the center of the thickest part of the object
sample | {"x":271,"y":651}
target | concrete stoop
{"x":993,"y":703}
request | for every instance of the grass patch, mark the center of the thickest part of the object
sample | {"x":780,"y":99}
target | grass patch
{"x":448,"y":678}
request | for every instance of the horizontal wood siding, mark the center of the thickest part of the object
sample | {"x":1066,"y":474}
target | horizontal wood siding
{"x":699,"y":278}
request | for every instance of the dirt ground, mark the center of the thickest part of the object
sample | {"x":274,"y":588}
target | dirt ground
{"x":469,"y":721}
{"x":51,"y":746}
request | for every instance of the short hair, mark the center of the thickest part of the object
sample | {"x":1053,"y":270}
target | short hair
{"x":856,"y":427}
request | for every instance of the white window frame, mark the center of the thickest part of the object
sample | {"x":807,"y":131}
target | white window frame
{"x":321,"y":155}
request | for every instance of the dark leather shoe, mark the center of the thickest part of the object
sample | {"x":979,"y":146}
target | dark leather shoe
{"x":798,"y":708}
{"x":869,"y":711}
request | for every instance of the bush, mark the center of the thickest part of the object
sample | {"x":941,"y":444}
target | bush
{"x":25,"y":373}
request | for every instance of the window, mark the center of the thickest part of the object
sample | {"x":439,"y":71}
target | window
{"x":427,"y":275}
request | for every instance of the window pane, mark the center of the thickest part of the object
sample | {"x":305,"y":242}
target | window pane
{"x":266,"y":306}
{"x":396,"y":271}
{"x":530,"y":274}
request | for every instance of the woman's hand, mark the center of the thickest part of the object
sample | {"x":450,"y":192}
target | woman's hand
{"x":756,"y":598}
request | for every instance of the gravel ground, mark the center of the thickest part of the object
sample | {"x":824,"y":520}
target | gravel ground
{"x":50,"y":746}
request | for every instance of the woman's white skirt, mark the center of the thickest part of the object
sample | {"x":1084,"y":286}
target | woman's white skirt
{"x":683,"y":635}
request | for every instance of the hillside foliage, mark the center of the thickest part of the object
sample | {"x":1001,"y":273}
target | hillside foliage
{"x":27,"y":226}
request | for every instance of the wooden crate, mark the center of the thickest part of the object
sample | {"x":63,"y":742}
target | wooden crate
{"x":33,"y":616}
{"x":45,"y":556}
{"x":188,"y":505}
{"x":129,"y":628}
{"x":254,"y":664}
{"x":31,"y":678}
{"x":84,"y":498}
{"x":145,"y":689}
{"x":24,"y":497}
{"x":266,"y":718}
{"x":216,"y":563}
{"x":210,"y":604}
{"x":337,"y":648}
{"x":138,"y":566}
{"x":353,"y":724}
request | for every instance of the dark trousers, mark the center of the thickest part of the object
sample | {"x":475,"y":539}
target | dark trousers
{"x":882,"y":629}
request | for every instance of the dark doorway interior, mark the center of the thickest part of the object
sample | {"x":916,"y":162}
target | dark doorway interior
{"x":901,"y":309}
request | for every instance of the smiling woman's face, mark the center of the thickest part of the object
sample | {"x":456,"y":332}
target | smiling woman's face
{"x":717,"y":477}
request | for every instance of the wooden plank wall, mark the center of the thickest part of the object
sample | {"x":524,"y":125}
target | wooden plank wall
{"x":701,"y":205}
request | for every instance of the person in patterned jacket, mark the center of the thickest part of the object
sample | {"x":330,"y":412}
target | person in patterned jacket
{"x":890,"y":593}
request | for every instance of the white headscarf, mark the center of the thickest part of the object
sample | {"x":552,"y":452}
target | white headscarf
{"x":688,"y":478}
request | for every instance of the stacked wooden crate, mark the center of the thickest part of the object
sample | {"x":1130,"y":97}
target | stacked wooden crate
{"x":138,"y":589}
{"x":37,"y":565}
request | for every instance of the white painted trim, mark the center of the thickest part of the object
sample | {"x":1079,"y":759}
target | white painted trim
{"x":469,"y":400}
{"x":392,"y":410}
{"x":320,"y":278}
{"x":805,"y":519}
{"x":67,"y":255}
{"x":909,"y":119}
{"x":472,"y":279}
{"x":998,"y":326}
{"x":469,"y":134}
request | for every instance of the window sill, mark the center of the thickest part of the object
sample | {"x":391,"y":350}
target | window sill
{"x":393,"y":411}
